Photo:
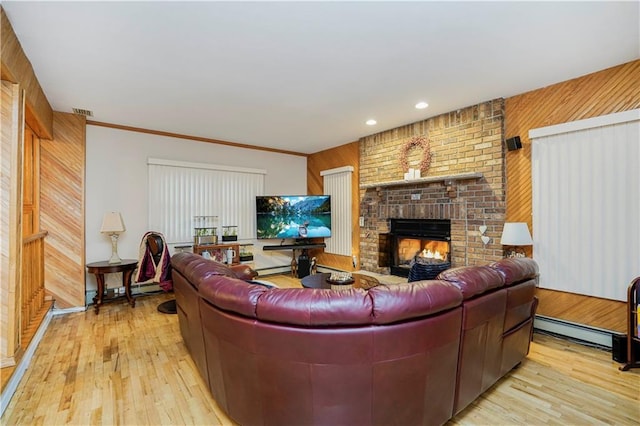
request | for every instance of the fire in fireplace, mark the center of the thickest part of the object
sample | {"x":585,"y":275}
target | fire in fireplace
{"x":418,"y":248}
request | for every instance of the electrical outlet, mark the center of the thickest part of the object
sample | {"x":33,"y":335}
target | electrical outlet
{"x":415,"y":197}
{"x":361,"y":220}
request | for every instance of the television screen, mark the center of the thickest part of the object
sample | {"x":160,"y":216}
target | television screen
{"x":293,"y":216}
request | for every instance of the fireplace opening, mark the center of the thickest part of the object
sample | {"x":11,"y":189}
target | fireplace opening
{"x":419,"y":249}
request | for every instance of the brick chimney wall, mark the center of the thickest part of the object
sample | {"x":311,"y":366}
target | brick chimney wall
{"x":467,"y":140}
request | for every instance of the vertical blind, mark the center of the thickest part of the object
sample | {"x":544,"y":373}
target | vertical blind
{"x":178,"y":191}
{"x":337,"y":183}
{"x":586,"y":204}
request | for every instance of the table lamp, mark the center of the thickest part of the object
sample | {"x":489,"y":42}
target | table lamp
{"x":515,"y":235}
{"x":113,"y":225}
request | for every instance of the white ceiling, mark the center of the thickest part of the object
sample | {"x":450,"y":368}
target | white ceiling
{"x":305,"y":76}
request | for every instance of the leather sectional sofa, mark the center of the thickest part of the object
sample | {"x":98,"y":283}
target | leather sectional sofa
{"x":414,"y":353}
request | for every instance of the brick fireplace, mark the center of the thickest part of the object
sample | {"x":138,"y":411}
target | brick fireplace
{"x":465,"y":183}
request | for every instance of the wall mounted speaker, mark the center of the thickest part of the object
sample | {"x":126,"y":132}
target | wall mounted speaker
{"x":514,"y":143}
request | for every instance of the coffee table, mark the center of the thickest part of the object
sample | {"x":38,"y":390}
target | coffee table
{"x":320,"y":281}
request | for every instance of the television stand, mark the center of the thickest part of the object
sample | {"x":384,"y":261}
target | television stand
{"x":299,"y":268}
{"x":294,"y":246}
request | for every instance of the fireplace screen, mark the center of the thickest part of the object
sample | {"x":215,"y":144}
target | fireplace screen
{"x":419,"y":248}
{"x":429,"y":251}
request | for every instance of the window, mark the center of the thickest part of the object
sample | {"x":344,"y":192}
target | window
{"x":337,"y":183}
{"x":178,"y":191}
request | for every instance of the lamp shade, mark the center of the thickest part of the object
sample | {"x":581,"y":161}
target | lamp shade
{"x":516,"y":234}
{"x":112,"y":223}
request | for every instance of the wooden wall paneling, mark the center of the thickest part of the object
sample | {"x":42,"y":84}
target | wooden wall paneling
{"x":31,"y":183}
{"x":592,"y":311}
{"x":612,"y":90}
{"x":10,"y":220}
{"x":344,"y":155}
{"x":17,"y":69}
{"x":62,"y":172}
{"x":609,"y":91}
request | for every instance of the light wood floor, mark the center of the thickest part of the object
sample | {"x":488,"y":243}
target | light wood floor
{"x":129,"y":366}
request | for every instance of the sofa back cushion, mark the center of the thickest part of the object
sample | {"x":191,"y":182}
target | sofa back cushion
{"x":400,"y":302}
{"x":232,"y":294}
{"x":323,"y":307}
{"x":517,"y":269}
{"x":315,"y":307}
{"x":473,"y":280}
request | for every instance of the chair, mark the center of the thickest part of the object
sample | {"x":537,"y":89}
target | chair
{"x":154,"y":266}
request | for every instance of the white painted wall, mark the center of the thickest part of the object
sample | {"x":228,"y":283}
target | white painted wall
{"x":116,"y":180}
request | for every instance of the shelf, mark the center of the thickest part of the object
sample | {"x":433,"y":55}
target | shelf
{"x":294,"y":246}
{"x":428,"y":179}
{"x":218,"y":251}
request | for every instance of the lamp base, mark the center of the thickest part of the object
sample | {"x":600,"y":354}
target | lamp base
{"x":114,"y":250}
{"x":514,"y":251}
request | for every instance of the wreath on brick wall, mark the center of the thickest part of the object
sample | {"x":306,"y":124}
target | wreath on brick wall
{"x":416,"y":141}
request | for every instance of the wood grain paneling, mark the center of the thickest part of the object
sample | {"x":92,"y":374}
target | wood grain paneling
{"x":31,"y":183}
{"x":10,"y":220}
{"x":344,"y":155}
{"x":588,"y":310}
{"x":605,"y":92}
{"x":62,"y":171}
{"x":17,"y":69}
{"x":609,"y":91}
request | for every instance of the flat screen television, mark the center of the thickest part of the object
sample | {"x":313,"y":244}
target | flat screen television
{"x":293,"y":216}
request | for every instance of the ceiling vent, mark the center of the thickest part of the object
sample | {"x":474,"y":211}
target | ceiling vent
{"x":84,"y":112}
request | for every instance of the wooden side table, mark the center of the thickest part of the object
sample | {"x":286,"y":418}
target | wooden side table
{"x":127,"y":266}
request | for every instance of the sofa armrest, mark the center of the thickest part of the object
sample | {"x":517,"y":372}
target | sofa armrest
{"x":244,"y":272}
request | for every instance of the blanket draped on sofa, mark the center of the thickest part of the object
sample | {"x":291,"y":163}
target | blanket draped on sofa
{"x":154,"y":269}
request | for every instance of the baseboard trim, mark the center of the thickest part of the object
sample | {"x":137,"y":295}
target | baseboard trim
{"x":63,"y":311}
{"x":23,"y":364}
{"x":580,"y":332}
{"x":273,"y":270}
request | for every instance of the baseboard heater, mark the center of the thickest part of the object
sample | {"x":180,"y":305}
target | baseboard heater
{"x":273,"y":270}
{"x":584,"y":333}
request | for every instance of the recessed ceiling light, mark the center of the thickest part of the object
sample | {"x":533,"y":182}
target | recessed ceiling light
{"x":422,"y":105}
{"x":371,"y":122}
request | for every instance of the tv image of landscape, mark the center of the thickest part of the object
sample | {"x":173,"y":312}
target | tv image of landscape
{"x":293,"y":216}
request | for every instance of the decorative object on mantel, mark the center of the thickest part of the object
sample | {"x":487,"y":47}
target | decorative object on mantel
{"x":416,"y":141}
{"x":485,"y":239}
{"x":514,"y":236}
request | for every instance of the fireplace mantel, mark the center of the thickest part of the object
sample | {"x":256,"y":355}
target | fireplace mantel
{"x":428,"y":179}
